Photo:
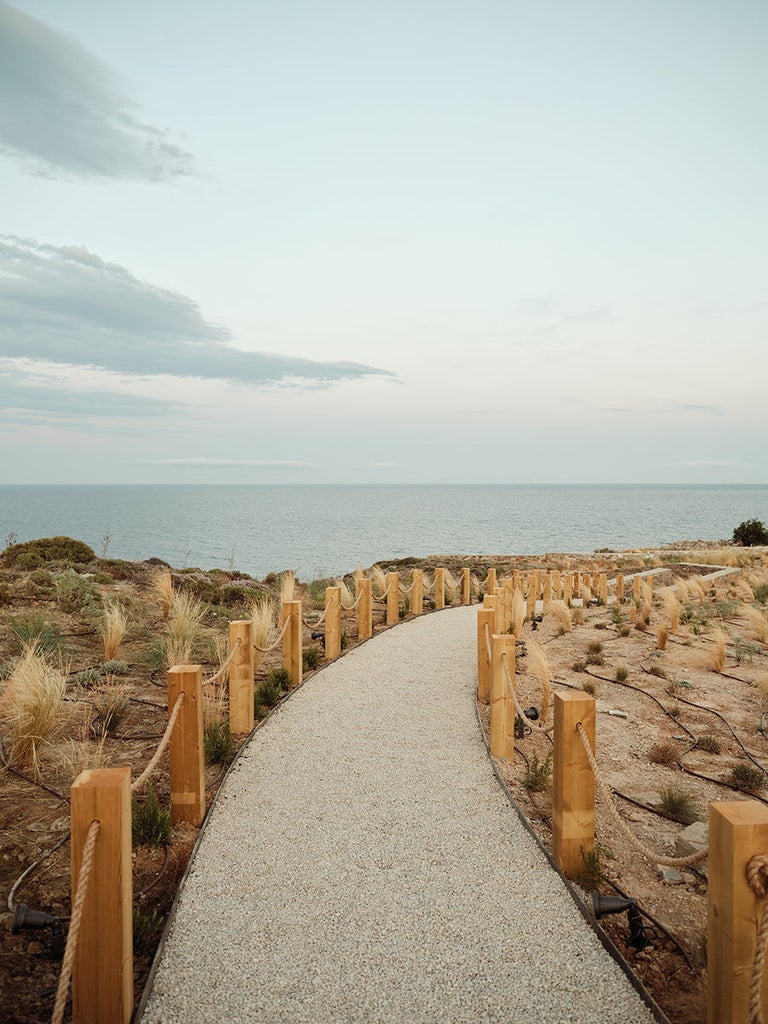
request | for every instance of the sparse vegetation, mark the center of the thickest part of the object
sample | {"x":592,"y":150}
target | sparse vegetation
{"x":112,"y":705}
{"x":664,"y":753}
{"x":147,"y":925}
{"x":622,"y":674}
{"x":150,"y":822}
{"x":579,"y":666}
{"x":538,"y":774}
{"x":218,"y":742}
{"x":750,"y":533}
{"x":310,"y":658}
{"x":680,"y":805}
{"x":592,"y":876}
{"x":747,"y":777}
{"x":708,"y":743}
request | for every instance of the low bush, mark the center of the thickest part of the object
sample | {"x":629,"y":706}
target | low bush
{"x":538,"y":774}
{"x":218,"y":743}
{"x":35,"y":553}
{"x":664,"y":753}
{"x":150,"y":822}
{"x":750,"y":533}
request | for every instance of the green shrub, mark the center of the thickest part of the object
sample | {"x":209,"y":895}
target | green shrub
{"x":116,"y":667}
{"x":218,"y":744}
{"x":76,"y":594}
{"x":147,"y":925}
{"x":87,"y":678}
{"x":592,"y":876}
{"x":34,"y":628}
{"x":750,"y":533}
{"x":34,"y":553}
{"x":538,"y":774}
{"x":310,"y":658}
{"x":280,"y":678}
{"x":761,"y":592}
{"x":150,"y":823}
{"x":266,"y":695}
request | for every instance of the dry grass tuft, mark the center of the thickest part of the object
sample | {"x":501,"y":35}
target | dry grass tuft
{"x":662,"y":635}
{"x":113,"y":628}
{"x":671,"y":607}
{"x":185,"y":629}
{"x":161,"y":583}
{"x":696,"y":589}
{"x":744,"y":590}
{"x":642,"y":597}
{"x":287,"y":586}
{"x":451,"y":583}
{"x":30,"y":704}
{"x":347,"y":597}
{"x":562,"y":614}
{"x":681,"y":588}
{"x":378,"y":580}
{"x":715,"y":659}
{"x":585,"y":595}
{"x":757,"y":621}
{"x":264,"y":619}
{"x":539,"y":666}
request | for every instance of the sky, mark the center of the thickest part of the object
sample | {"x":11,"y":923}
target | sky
{"x":433,"y":241}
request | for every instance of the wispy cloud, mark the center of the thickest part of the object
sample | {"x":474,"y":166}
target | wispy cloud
{"x":63,"y":111}
{"x":66,"y":305}
{"x":709,"y":464}
{"x":711,"y":410}
{"x":382,"y":465}
{"x":203,"y":462}
{"x":46,"y":401}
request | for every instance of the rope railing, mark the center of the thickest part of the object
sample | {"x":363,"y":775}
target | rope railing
{"x":222,"y":669}
{"x":86,"y":864}
{"x":488,"y":650}
{"x":384,"y":594}
{"x":139,"y":781}
{"x":757,"y":878}
{"x":318,"y":622}
{"x":533,"y":726}
{"x":272,"y":646}
{"x":670,"y":862}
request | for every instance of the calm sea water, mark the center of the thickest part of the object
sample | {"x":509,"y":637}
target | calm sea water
{"x":321,"y":531}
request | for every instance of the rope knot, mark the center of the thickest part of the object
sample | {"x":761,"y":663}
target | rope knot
{"x":757,"y":875}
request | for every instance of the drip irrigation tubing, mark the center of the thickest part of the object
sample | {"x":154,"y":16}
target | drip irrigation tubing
{"x":637,"y":689}
{"x":26,"y":778}
{"x":157,"y":877}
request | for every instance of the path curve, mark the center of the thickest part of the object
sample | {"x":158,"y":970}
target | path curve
{"x":362,"y":866}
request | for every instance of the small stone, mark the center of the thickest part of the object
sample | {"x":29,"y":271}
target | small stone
{"x":35,"y":948}
{"x":669,"y":876}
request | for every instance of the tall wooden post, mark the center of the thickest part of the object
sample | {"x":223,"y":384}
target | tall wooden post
{"x":573,"y":782}
{"x":576,"y":577}
{"x":365,"y":609}
{"x":595,"y":584}
{"x":393,"y":598}
{"x":292,"y":660}
{"x":186,"y":748}
{"x":466,"y":586}
{"x":241,"y":676}
{"x":568,"y":589}
{"x":332,"y":622}
{"x":102,"y":974}
{"x":537,"y":582}
{"x":738,"y":829}
{"x":619,"y":589}
{"x":602,"y":587}
{"x":547,"y":595}
{"x":439,"y":588}
{"x":417,"y":592}
{"x":490,"y":586}
{"x":502,"y":737}
{"x":504,"y":594}
{"x":485,"y":630}
{"x":530,"y":599}
{"x":491,"y":602}
{"x":556,"y":585}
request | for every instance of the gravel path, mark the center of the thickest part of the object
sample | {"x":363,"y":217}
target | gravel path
{"x":363,"y":865}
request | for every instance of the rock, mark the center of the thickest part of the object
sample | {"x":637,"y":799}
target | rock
{"x":693,"y":839}
{"x":669,"y":876}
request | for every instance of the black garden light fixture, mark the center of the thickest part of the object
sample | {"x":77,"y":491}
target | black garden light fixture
{"x":24,"y":918}
{"x":604,"y":905}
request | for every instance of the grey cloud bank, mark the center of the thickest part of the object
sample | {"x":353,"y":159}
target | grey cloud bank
{"x":62,"y":108}
{"x":66,"y":305}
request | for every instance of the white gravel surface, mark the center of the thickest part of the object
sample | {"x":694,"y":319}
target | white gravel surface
{"x":363,"y":865}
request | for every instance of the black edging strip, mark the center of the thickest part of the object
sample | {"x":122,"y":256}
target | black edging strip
{"x":146,"y":991}
{"x":604,"y":938}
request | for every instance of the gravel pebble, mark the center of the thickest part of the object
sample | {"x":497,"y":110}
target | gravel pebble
{"x":362,"y":865}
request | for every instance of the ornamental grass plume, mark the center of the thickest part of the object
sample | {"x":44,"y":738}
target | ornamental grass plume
{"x":185,"y":629}
{"x":161,"y":584}
{"x":539,"y":666}
{"x":264,"y":619}
{"x":378,"y":581}
{"x":662,"y":635}
{"x":114,"y":625}
{"x":715,"y":659}
{"x":287,"y":586}
{"x":562,"y":615}
{"x":585,"y":595}
{"x":643,"y":598}
{"x":451,"y":583}
{"x":671,"y":608}
{"x":346,"y":596}
{"x":30,"y":705}
{"x":757,"y":622}
{"x":744,"y":591}
{"x":681,"y":588}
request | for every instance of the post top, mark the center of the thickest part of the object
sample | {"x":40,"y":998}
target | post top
{"x":573,"y":697}
{"x":99,"y":778}
{"x":740,"y":812}
{"x":181,"y":669}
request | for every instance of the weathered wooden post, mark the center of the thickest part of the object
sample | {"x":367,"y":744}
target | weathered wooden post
{"x":491,"y":602}
{"x":576,"y":577}
{"x":466,"y":586}
{"x":332,"y":622}
{"x":502,"y":734}
{"x":102,"y":973}
{"x":505,"y":593}
{"x":602,"y":588}
{"x":393,"y":598}
{"x":537,"y":582}
{"x":186,"y":749}
{"x":241,"y":672}
{"x":417,"y":592}
{"x":439,"y":588}
{"x":485,"y":630}
{"x":292,"y":660}
{"x":556,"y":585}
{"x":573,"y":782}
{"x":365,"y":609}
{"x":547,"y":595}
{"x":595,"y":584}
{"x":490,"y":583}
{"x":619,"y":589}
{"x":568,"y":589}
{"x":738,"y":829}
{"x":531,"y":598}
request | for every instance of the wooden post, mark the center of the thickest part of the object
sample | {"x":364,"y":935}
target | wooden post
{"x":439,"y":588}
{"x":393,"y":598}
{"x":491,"y":582}
{"x":417,"y":592}
{"x":365,"y":609}
{"x":292,"y":660}
{"x":573,"y":782}
{"x":602,"y":587}
{"x":241,"y":676}
{"x":738,"y":829}
{"x":595,"y":584}
{"x":492,"y":602}
{"x":568,"y":589}
{"x":502,"y":737}
{"x":102,"y":974}
{"x":576,"y":576}
{"x":186,"y":749}
{"x":332,"y":622}
{"x":485,"y":629}
{"x":556,"y":585}
{"x":466,"y":586}
{"x":619,"y":589}
{"x":537,"y":582}
{"x":547,"y":596}
{"x":504,"y":593}
{"x":530,"y":601}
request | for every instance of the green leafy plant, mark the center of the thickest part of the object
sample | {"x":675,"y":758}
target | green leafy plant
{"x":34,"y":553}
{"x":34,"y":630}
{"x":150,"y":822}
{"x":680,"y":805}
{"x":116,"y":667}
{"x":218,"y":743}
{"x":280,"y":678}
{"x":750,"y":533}
{"x":538,"y":774}
{"x":147,"y":925}
{"x":87,"y":678}
{"x":592,"y":876}
{"x":266,"y":694}
{"x":310,"y":658}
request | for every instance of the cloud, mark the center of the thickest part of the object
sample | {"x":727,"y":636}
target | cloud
{"x":207,"y":463}
{"x":709,"y":464}
{"x":712,"y":410}
{"x":382,"y":465}
{"x":66,"y":305}
{"x":63,"y":108}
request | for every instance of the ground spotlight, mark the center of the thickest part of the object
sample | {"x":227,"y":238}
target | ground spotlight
{"x":604,"y":905}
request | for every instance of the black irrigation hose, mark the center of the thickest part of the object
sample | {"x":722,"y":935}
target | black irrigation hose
{"x":157,"y":877}
{"x":26,"y":778}
{"x":28,"y":871}
{"x":645,"y":693}
{"x":727,"y":724}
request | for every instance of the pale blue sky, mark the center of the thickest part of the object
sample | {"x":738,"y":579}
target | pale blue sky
{"x":401,"y":242}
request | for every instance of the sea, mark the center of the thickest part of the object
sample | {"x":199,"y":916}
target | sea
{"x":322,"y":531}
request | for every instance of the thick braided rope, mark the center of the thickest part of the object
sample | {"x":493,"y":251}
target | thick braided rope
{"x":488,"y":643}
{"x":534,"y":726}
{"x":406,"y":590}
{"x":355,"y":603}
{"x":384,"y":594}
{"x":272,"y":646}
{"x":427,"y":587}
{"x":67,"y":963}
{"x":222,"y":669}
{"x":757,"y":877}
{"x":141,"y":779}
{"x":670,"y":862}
{"x":318,"y":622}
